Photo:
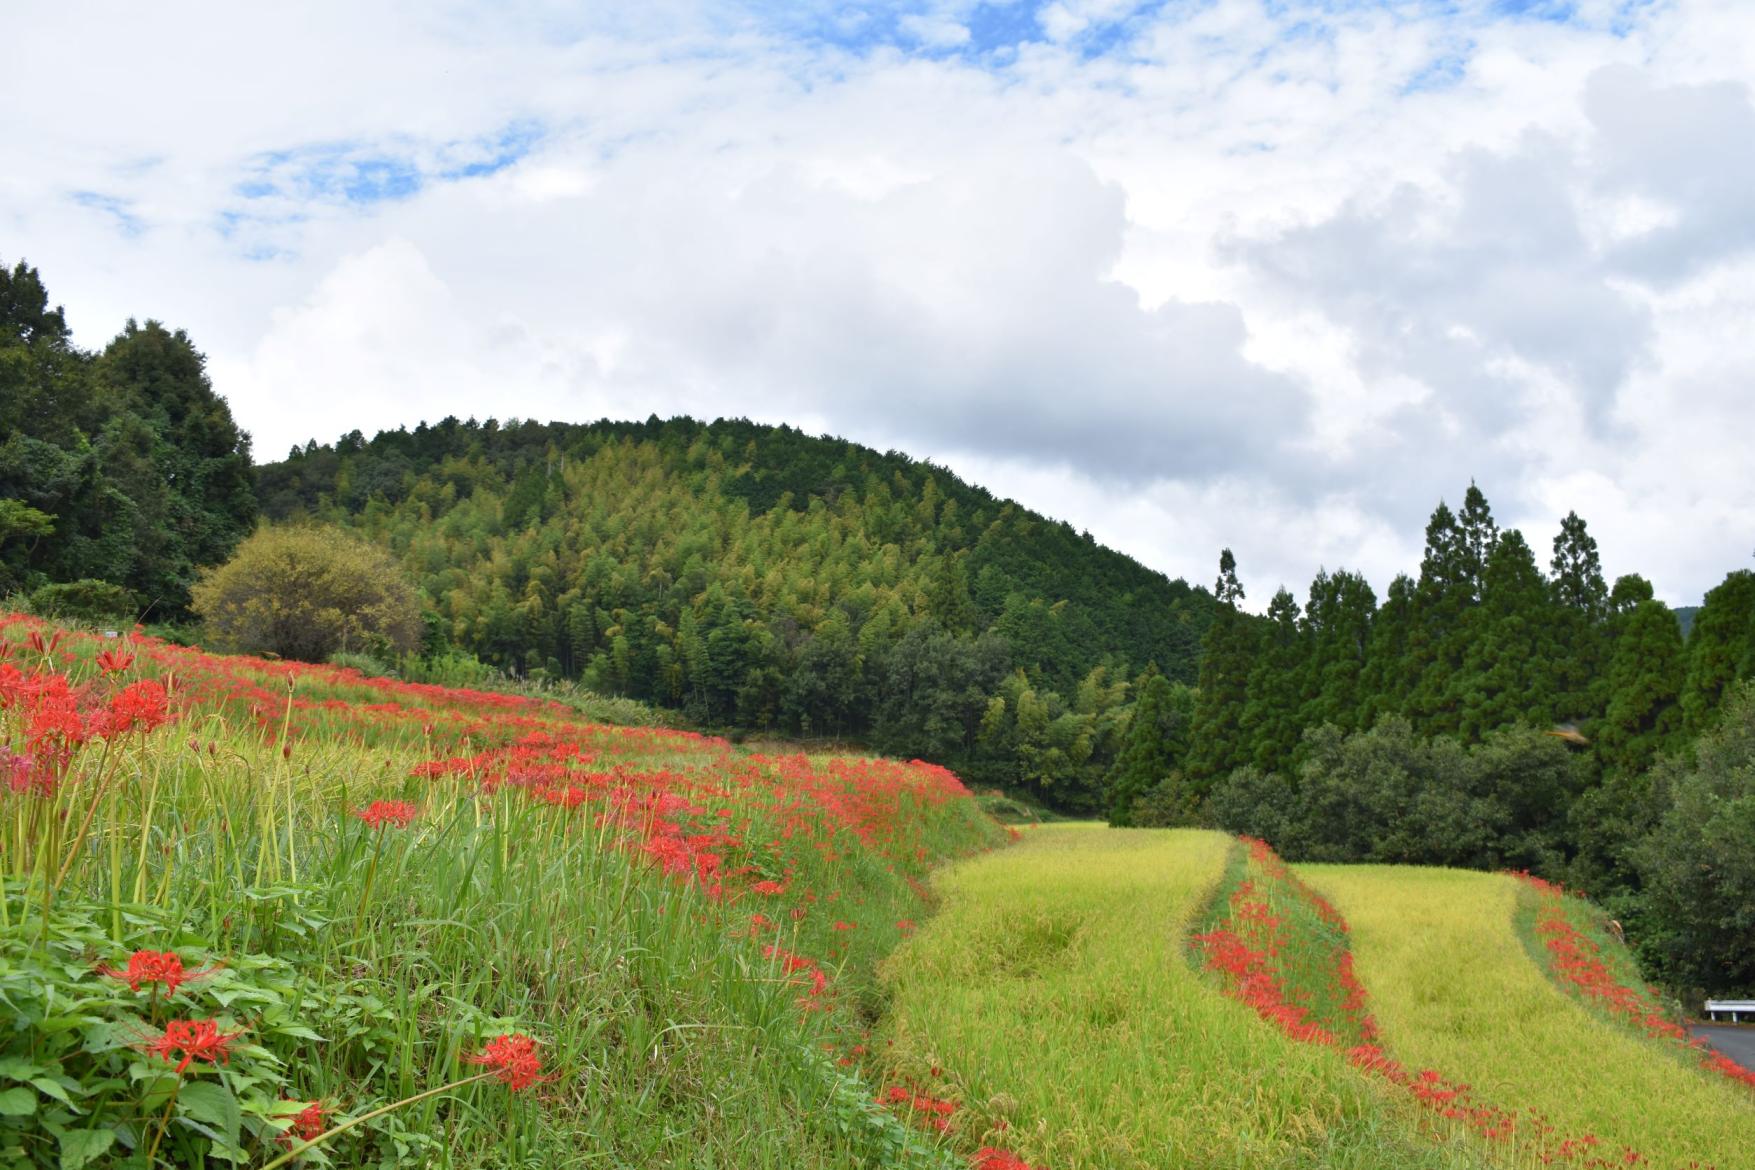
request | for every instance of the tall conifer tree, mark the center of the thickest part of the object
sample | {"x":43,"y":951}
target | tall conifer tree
{"x":1227,"y":655}
{"x":1270,"y":721}
{"x":1391,"y":670}
{"x":1581,"y":602}
{"x":1721,"y":648}
{"x":1507,"y":672}
{"x":1337,"y":620}
{"x":1644,"y":682}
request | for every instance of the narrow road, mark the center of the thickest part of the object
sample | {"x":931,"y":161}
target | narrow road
{"x":1736,"y":1043}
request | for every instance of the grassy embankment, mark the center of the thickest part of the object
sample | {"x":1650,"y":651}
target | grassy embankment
{"x":685,"y":932}
{"x":1053,"y":995}
{"x":1454,"y":988}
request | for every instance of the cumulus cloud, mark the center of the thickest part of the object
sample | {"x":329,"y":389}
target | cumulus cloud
{"x":1269,"y":275}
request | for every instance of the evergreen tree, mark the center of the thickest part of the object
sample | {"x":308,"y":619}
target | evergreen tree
{"x":1630,"y":589}
{"x":1506,"y":677}
{"x":1338,"y":622}
{"x":175,"y":451}
{"x":1438,"y":637}
{"x":1391,"y":670}
{"x":1155,"y":742}
{"x":1581,"y":635}
{"x":1645,"y":679}
{"x":1721,"y":649}
{"x":1476,"y":536}
{"x":1269,"y":725}
{"x":1228,"y":653}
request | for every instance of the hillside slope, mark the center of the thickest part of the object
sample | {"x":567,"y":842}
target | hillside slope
{"x":760,"y":577}
{"x":242,"y":902}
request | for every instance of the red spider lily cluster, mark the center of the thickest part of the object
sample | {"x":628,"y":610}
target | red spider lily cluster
{"x":992,"y":1158}
{"x":723,"y":825}
{"x":389,"y":812}
{"x":1575,"y":960}
{"x":186,"y":1041}
{"x":934,"y":1112}
{"x":1282,"y":949}
{"x":307,"y":1124}
{"x":161,"y":967}
{"x":512,"y":1058}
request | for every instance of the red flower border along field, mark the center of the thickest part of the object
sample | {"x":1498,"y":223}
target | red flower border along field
{"x":268,"y":914}
{"x":261,"y":912}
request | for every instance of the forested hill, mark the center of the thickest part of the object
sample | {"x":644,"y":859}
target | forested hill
{"x":762,"y":577}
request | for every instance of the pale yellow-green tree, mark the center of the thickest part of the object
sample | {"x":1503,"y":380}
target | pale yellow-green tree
{"x":306,"y":592}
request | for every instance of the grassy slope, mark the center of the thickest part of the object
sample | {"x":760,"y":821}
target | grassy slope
{"x":364,"y":965}
{"x":1453,"y":988}
{"x":1052,"y":991}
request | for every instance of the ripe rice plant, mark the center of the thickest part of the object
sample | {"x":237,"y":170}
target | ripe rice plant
{"x":1570,"y":938}
{"x":1050,"y":1001}
{"x":248,"y":904}
{"x":1452,"y":988}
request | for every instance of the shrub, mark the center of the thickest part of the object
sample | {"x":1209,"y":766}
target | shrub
{"x":1698,"y":914}
{"x":306,"y":592}
{"x":85,"y":600}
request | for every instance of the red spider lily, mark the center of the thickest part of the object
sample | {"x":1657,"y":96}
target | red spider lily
{"x":933,"y":1111}
{"x":307,"y":1123}
{"x":1575,"y":960}
{"x":45,"y":648}
{"x":114,"y":661}
{"x":192,"y":1040}
{"x":140,"y":706}
{"x":991,"y":1158}
{"x":394,"y":812}
{"x":512,"y":1057}
{"x":156,"y":967}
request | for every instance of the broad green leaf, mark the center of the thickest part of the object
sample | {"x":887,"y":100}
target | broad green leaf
{"x":18,"y":1102}
{"x":80,"y":1146}
{"x":16,"y":1069}
{"x":214,"y":1104}
{"x":51,"y":1088}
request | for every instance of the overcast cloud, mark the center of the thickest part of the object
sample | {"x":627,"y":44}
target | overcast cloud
{"x":1273,"y":275}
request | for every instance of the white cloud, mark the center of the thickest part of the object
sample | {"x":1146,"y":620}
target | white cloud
{"x":1272,"y":276}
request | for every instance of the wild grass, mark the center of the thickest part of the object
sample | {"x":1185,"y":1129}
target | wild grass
{"x":1454,"y":989}
{"x":1052,"y":996}
{"x":686,"y":930}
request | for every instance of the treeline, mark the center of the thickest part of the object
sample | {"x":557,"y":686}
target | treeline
{"x":121,"y":472}
{"x":761,"y":578}
{"x":1492,"y":715}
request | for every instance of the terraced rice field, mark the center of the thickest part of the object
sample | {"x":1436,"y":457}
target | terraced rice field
{"x":1054,"y":998}
{"x":1453,"y":988}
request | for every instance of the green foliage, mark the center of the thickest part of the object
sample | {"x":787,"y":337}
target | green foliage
{"x":1643,"y":720}
{"x":85,"y":601}
{"x":1697,"y":913}
{"x":1148,"y":768}
{"x":1227,"y":658}
{"x":1391,"y":795}
{"x":1721,"y":649}
{"x":1270,"y":721}
{"x":304,"y":593}
{"x":123,"y":467}
{"x":762,"y":578}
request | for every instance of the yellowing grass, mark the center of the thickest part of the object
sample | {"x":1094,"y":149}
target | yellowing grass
{"x":1052,"y":991}
{"x":1453,"y":989}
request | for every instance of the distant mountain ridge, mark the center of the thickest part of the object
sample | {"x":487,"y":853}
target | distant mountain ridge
{"x":755,"y":575}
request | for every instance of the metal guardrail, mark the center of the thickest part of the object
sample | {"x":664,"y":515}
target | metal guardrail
{"x":1734,"y":1008}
